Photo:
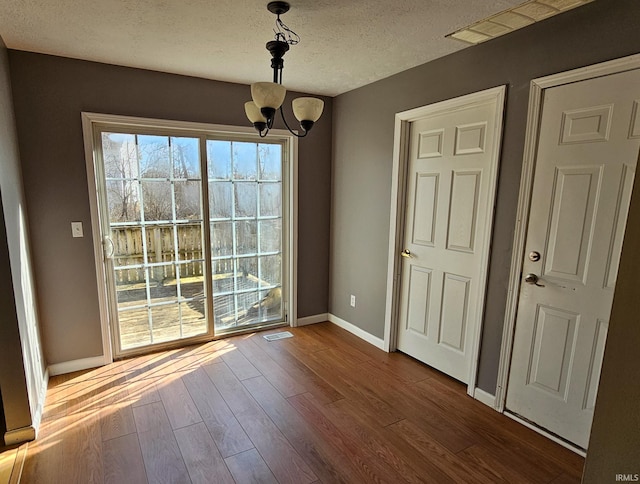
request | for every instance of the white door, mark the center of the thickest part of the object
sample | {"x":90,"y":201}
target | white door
{"x":587,"y":152}
{"x":451,"y":177}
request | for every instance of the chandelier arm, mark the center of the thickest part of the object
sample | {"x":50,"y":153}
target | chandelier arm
{"x":287,"y":125}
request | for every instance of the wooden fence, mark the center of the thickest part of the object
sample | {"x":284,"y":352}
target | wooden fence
{"x":128,"y":251}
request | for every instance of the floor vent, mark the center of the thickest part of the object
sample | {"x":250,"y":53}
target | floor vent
{"x":277,"y":336}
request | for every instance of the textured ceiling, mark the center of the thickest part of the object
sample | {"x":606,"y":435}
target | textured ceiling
{"x":345,"y":44}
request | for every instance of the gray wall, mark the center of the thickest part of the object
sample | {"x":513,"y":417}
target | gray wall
{"x":614,"y":446}
{"x":49,"y":95}
{"x":21,"y":366}
{"x":363,"y":143}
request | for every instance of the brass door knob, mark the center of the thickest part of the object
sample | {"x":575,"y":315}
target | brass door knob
{"x":532,"y":279}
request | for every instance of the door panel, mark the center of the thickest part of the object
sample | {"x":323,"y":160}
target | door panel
{"x":572,"y":219}
{"x":452,"y":166}
{"x":584,"y":172}
{"x":153,"y":215}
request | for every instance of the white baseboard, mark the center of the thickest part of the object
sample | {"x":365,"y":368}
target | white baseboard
{"x":548,"y":435}
{"x":485,"y":397}
{"x":317,"y":318}
{"x":77,"y":365}
{"x":360,"y":333}
{"x":19,"y":436}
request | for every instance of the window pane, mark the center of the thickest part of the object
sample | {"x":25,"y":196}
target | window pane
{"x":247,"y":271}
{"x":244,"y":161}
{"x":220,"y":200}
{"x":186,"y":157}
{"x":190,"y":286}
{"x":190,"y":246}
{"x":246,"y":237}
{"x":270,"y":304}
{"x":193,"y":319}
{"x":160,"y":246}
{"x":245,"y":198}
{"x":223,"y":276}
{"x":270,"y":157}
{"x":224,"y":311}
{"x":187,"y":200}
{"x":270,"y":200}
{"x":248,"y":307}
{"x":165,"y":322}
{"x":134,"y":328}
{"x":127,"y":246}
{"x":270,"y":270}
{"x":122,"y":201}
{"x":120,"y":156}
{"x":219,"y":159}
{"x":157,"y":200}
{"x":270,"y":235}
{"x":162,"y":284}
{"x":154,"y":156}
{"x":221,"y":239}
{"x":130,"y":287}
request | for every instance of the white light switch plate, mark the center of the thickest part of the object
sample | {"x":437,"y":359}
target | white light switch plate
{"x":76,"y":229}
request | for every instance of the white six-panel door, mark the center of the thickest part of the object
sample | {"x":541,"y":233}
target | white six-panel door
{"x":587,"y":153}
{"x":451,"y":174}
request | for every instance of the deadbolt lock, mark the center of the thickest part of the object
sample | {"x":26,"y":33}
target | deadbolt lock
{"x":534,"y":256}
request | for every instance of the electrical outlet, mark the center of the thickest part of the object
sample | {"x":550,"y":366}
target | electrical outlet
{"x":76,"y":229}
{"x":353,"y":301}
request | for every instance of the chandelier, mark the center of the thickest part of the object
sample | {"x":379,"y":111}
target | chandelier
{"x":269,"y":96}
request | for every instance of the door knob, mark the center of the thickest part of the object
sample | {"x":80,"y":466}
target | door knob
{"x":533,"y":280}
{"x":406,"y":253}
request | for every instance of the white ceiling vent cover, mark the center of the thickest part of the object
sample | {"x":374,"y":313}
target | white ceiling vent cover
{"x":513,"y":19}
{"x":277,"y":336}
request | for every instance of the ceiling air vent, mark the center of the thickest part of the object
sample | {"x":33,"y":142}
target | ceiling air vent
{"x":513,"y":19}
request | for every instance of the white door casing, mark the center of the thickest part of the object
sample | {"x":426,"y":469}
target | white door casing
{"x":452,"y":155}
{"x":589,"y":136}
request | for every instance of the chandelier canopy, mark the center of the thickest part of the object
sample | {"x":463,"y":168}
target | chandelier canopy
{"x":269,"y":96}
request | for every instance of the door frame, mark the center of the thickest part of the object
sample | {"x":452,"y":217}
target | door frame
{"x":401,"y":141}
{"x":290,"y":185}
{"x":536,"y":98}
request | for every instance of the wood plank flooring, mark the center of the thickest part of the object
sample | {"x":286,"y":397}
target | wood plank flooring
{"x":321,"y":407}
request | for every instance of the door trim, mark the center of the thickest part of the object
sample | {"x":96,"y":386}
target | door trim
{"x":536,"y":98}
{"x":398,"y":206}
{"x":90,"y":119}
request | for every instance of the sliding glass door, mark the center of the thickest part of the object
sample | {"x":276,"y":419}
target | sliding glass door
{"x":193,"y":231}
{"x":245,"y":207}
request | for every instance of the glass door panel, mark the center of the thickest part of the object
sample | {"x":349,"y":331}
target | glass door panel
{"x":153,"y":191}
{"x":245,"y":206}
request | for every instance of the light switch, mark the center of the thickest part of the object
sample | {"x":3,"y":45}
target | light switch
{"x":76,"y":229}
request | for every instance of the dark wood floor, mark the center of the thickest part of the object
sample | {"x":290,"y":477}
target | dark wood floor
{"x":323,"y":406}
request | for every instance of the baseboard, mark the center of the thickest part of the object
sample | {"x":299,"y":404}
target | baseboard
{"x":77,"y":365}
{"x":360,"y":333}
{"x":19,"y":436}
{"x":317,"y":318}
{"x":485,"y":397}
{"x":548,"y":435}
